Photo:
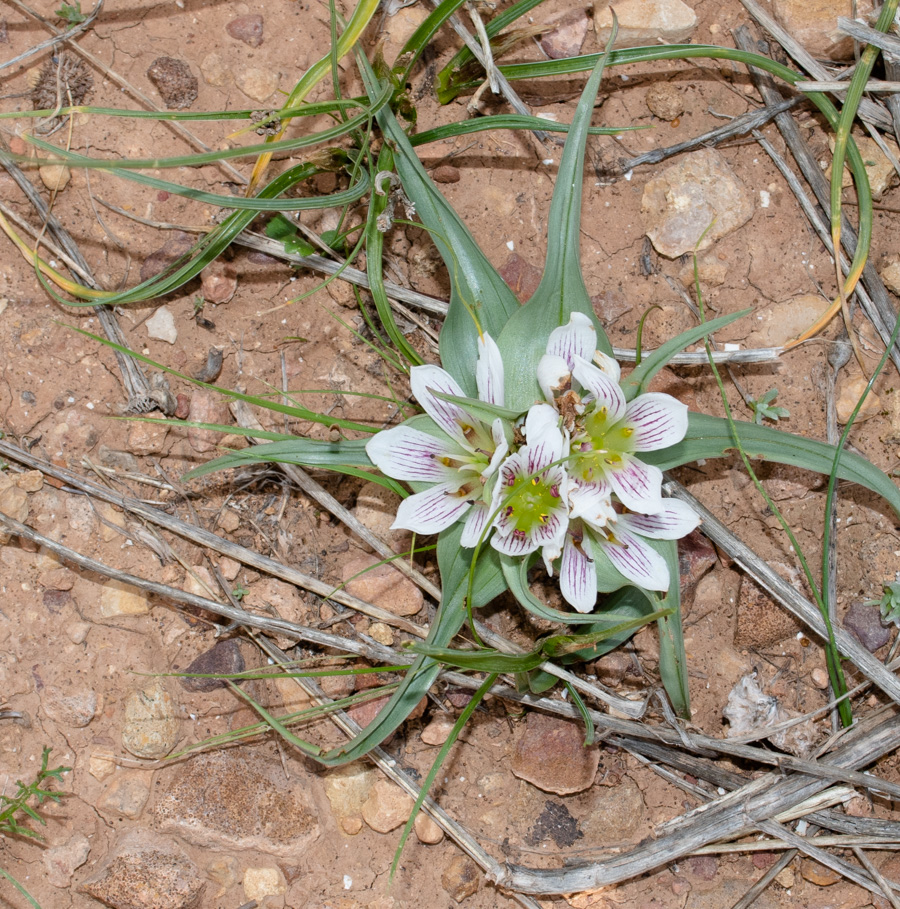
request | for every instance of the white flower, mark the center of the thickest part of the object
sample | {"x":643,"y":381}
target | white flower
{"x":606,"y":432}
{"x":461,"y":461}
{"x":531,"y":494}
{"x":595,"y":527}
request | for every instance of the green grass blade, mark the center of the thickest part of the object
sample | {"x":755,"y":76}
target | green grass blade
{"x":418,"y":41}
{"x":672,"y":658}
{"x":20,"y":888}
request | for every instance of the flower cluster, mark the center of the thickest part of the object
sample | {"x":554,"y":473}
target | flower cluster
{"x":565,"y":479}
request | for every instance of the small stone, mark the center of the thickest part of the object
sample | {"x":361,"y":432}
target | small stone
{"x":814,"y":24}
{"x":382,"y":585}
{"x":711,"y":271}
{"x":890,"y":274}
{"x":224,"y":658}
{"x":57,"y":579}
{"x":207,"y":406}
{"x":347,"y":789}
{"x":351,"y":825}
{"x":146,"y":871}
{"x":55,"y":176}
{"x":229,"y":567}
{"x":173,"y":79}
{"x":14,"y":504}
{"x":820,"y":678}
{"x":620,"y":808}
{"x":438,"y":730}
{"x":387,"y":807}
{"x":427,"y":831}
{"x":848,"y":397}
{"x":612,"y":669}
{"x":445,"y":173}
{"x":273,"y":597}
{"x":864,"y":623}
{"x":218,"y":283}
{"x":460,"y":878}
{"x":260,"y":883}
{"x":761,"y":622}
{"x":255,"y":83}
{"x":30,"y":481}
{"x":818,"y":874}
{"x":224,"y":871}
{"x":117,"y":598}
{"x":705,"y":867}
{"x":215,"y":70}
{"x":75,"y":709}
{"x":567,"y":35}
{"x":161,"y":326}
{"x":178,"y":244}
{"x":376,"y":507}
{"x":521,"y":276}
{"x":643,"y":22}
{"x":696,"y":556}
{"x":229,"y":521}
{"x":60,"y":862}
{"x":248,"y":29}
{"x":77,"y":632}
{"x":551,"y":755}
{"x":681,"y":203}
{"x":125,"y":796}
{"x":879,"y":168}
{"x":147,"y":438}
{"x":382,"y":633}
{"x":151,"y":724}
{"x":665,"y":101}
{"x":101,"y":765}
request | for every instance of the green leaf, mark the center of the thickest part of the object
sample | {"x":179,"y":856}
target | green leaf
{"x":639,"y":378}
{"x":562,"y":290}
{"x":710,"y":437}
{"x":280,"y":228}
{"x":672,"y":658}
{"x":478,"y":408}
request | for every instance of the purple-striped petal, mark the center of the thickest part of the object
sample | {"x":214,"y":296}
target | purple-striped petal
{"x":431,"y":511}
{"x":638,"y":485}
{"x":637,"y":561}
{"x":408,"y":454}
{"x":577,"y":339}
{"x":513,"y":544}
{"x":676,"y":520}
{"x":546,"y":443}
{"x":658,"y":421}
{"x":501,"y":449}
{"x":551,"y":532}
{"x":578,"y":576}
{"x":592,"y":502}
{"x":607,"y":365}
{"x":424,"y":380}
{"x":489,"y":374}
{"x":554,"y":375}
{"x":552,"y":548}
{"x":605,"y":392}
{"x":476,"y":521}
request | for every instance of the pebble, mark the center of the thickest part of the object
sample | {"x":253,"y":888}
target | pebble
{"x":376,"y":507}
{"x":704,"y":867}
{"x":224,"y":871}
{"x":445,"y":173}
{"x":567,"y":35}
{"x":215,"y":70}
{"x":864,"y":623}
{"x":640,"y":22}
{"x":521,"y":276}
{"x":126,"y":796}
{"x":55,"y":176}
{"x":229,"y":567}
{"x":161,"y":326}
{"x":176,"y":246}
{"x":620,"y":808}
{"x":890,"y":274}
{"x":381,"y":585}
{"x":57,"y":579}
{"x":382,"y":633}
{"x":879,"y":168}
{"x":239,"y":801}
{"x":263,"y":882}
{"x":77,"y":632}
{"x":75,"y":709}
{"x":696,"y":556}
{"x":551,"y":755}
{"x":665,"y":101}
{"x":818,"y":874}
{"x":255,"y":83}
{"x":814,"y":24}
{"x":229,"y":520}
{"x":387,"y":807}
{"x":248,"y":29}
{"x":14,"y":504}
{"x":460,"y":878}
{"x":287,"y":602}
{"x":61,"y":862}
{"x":176,"y":84}
{"x":820,"y":678}
{"x":218,"y":283}
{"x":848,"y":397}
{"x":146,"y":871}
{"x":761,"y":622}
{"x":225,"y":658}
{"x":711,"y":270}
{"x":783,"y":321}
{"x":207,"y":406}
{"x":146,"y":438}
{"x":438,"y":730}
{"x":101,"y":765}
{"x":427,"y":831}
{"x":680,"y":204}
{"x":151,"y":724}
{"x":117,"y":598}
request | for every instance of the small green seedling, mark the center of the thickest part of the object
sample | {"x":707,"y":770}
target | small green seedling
{"x":71,"y":13}
{"x":763,"y":408}
{"x":889,"y":602}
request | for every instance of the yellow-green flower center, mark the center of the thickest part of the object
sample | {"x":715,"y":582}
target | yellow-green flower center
{"x":602,"y":446}
{"x":529,"y":502}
